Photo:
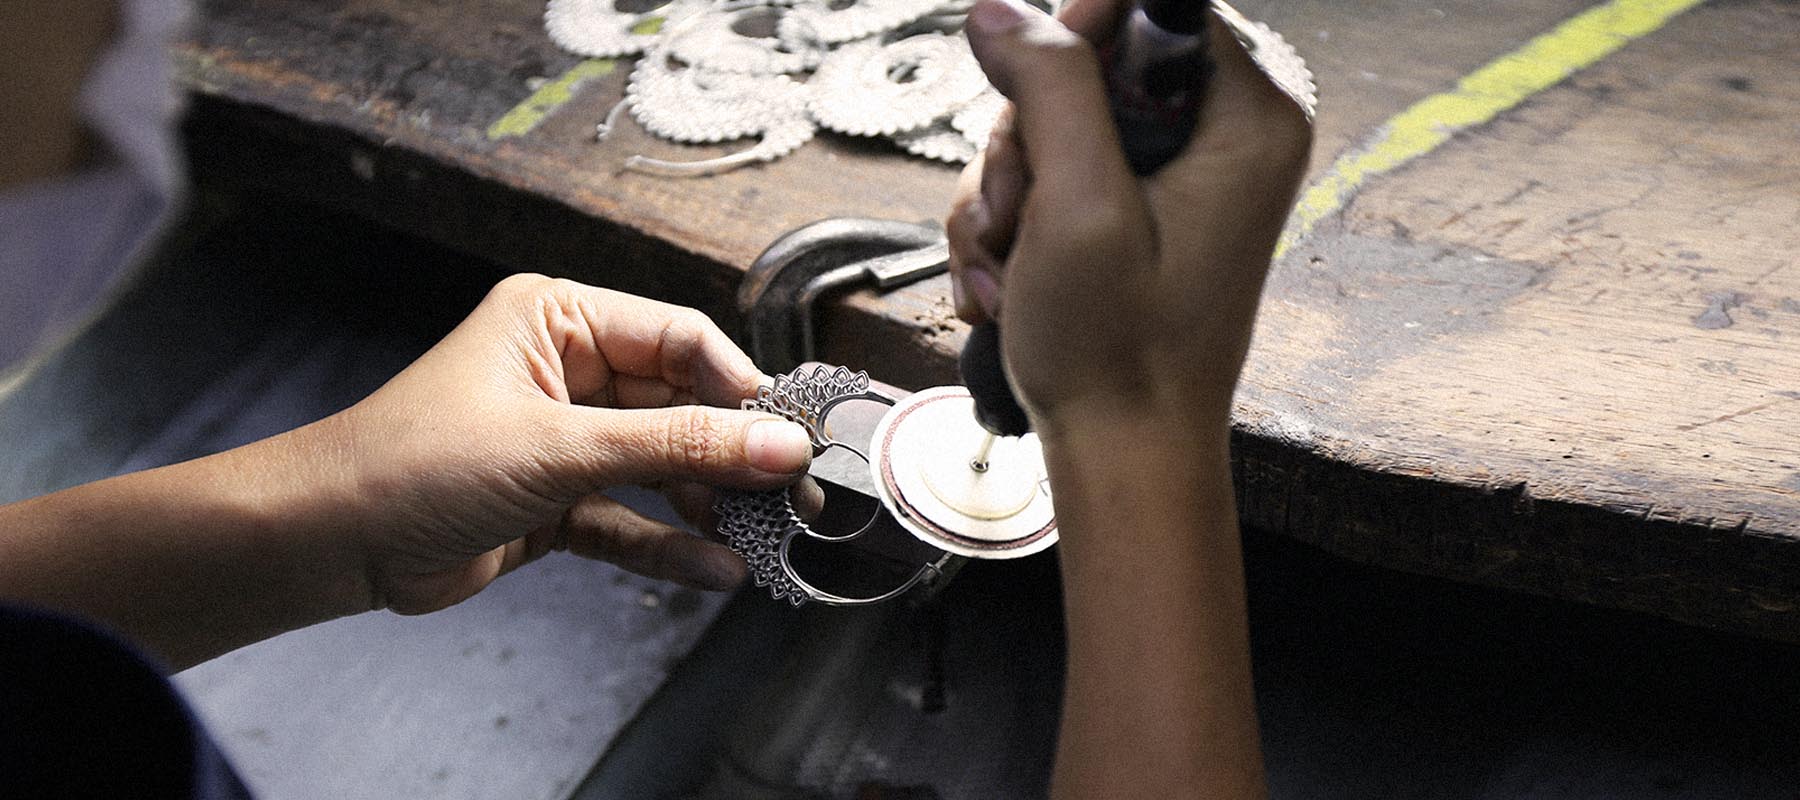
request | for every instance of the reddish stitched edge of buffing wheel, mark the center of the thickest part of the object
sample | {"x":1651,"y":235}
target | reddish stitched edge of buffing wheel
{"x":887,"y":477}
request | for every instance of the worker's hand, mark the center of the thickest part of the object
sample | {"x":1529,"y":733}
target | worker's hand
{"x":1118,"y":296}
{"x":491,"y":449}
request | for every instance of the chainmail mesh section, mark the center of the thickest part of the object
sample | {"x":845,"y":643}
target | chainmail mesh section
{"x":753,"y":524}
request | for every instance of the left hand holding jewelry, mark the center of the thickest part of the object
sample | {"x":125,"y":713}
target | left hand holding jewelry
{"x":493,"y":446}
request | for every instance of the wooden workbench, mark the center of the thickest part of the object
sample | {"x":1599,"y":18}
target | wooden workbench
{"x":1557,"y":353}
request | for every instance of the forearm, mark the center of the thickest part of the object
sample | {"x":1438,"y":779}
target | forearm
{"x":1159,"y":698}
{"x":194,"y":559}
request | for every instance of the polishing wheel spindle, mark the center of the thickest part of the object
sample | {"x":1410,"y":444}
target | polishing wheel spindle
{"x":996,"y":504}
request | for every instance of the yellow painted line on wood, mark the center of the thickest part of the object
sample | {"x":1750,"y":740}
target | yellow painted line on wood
{"x":549,"y":97}
{"x":1576,"y":44}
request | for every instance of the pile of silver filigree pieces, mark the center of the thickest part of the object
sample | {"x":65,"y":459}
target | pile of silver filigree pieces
{"x":714,"y":71}
{"x":893,"y":68}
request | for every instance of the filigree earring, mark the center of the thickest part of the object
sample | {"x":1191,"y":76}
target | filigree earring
{"x":935,"y":473}
{"x":762,"y":526}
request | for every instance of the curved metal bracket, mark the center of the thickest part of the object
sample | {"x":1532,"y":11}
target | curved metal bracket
{"x":788,"y":279}
{"x":934,"y":569}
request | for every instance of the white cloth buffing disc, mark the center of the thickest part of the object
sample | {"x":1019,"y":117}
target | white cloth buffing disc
{"x":922,"y":469}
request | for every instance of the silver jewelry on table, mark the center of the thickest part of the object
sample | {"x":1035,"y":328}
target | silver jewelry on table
{"x":697,"y":106}
{"x":598,"y":29}
{"x":870,"y":88}
{"x":829,"y":24}
{"x":937,"y":141}
{"x":869,"y":76}
{"x":716,"y":41}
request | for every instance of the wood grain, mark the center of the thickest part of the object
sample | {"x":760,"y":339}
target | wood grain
{"x":1592,"y":303}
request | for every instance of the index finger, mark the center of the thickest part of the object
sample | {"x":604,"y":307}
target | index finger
{"x":1095,"y":20}
{"x":608,"y":332}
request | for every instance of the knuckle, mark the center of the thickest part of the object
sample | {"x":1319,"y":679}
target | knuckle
{"x":522,"y":284}
{"x":564,"y":284}
{"x":690,"y":324}
{"x":696,"y":438}
{"x":684,"y":335}
{"x":1068,"y":50}
{"x":521,"y":291}
{"x":962,"y":224}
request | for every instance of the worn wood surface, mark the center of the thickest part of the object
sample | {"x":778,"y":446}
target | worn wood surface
{"x":1580,"y":327}
{"x":1508,"y":362}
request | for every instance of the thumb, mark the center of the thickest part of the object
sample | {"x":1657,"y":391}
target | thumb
{"x":721,"y":447}
{"x":1053,"y":77}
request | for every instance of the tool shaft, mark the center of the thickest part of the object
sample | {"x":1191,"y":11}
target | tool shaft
{"x":980,"y":462}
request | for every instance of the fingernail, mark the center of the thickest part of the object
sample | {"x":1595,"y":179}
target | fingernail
{"x":987,"y":292}
{"x":992,"y":17}
{"x":778,"y":446}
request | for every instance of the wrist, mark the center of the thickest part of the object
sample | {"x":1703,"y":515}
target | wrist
{"x":299,"y":494}
{"x":1108,"y":430}
{"x":1149,"y":477}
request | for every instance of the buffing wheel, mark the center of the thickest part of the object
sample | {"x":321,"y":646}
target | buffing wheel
{"x":922,"y":468}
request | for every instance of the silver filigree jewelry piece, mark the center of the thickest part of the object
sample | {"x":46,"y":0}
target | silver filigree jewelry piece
{"x":830,"y":24}
{"x":937,"y":141}
{"x":871,"y":88}
{"x":598,"y":29}
{"x":713,"y":41}
{"x":697,"y":106}
{"x":777,"y":70}
{"x":808,"y":396}
{"x":755,"y":524}
{"x":762,"y":526}
{"x":1274,"y":56}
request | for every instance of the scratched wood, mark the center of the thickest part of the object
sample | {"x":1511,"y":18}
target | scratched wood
{"x":1580,"y":325}
{"x":1489,"y":367}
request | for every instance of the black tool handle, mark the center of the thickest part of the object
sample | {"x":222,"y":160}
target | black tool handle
{"x":996,"y":408}
{"x":1156,"y":71}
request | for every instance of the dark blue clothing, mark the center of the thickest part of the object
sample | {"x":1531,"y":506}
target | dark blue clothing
{"x":83,"y":714}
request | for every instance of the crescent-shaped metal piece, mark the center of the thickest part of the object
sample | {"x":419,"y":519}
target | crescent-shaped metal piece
{"x":762,"y":526}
